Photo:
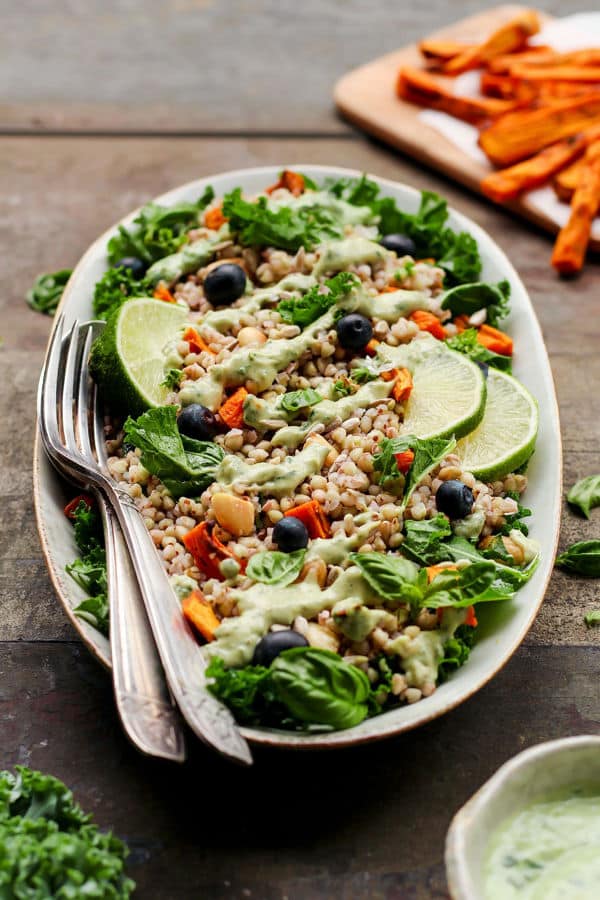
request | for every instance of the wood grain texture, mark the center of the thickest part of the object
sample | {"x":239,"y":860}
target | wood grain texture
{"x":199,"y":65}
{"x":61,"y":193}
{"x":361,"y":824}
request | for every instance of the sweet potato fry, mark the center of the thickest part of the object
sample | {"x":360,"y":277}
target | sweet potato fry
{"x":506,"y":39}
{"x":522,"y":133}
{"x":571,"y":244}
{"x":551,"y":59}
{"x":439,"y":51}
{"x":581,"y":74}
{"x":501,"y":65}
{"x":420,"y":88}
{"x":566,"y":181}
{"x":505,"y":87}
{"x":509,"y":183}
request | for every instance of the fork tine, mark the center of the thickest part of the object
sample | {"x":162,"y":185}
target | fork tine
{"x":71,"y":375}
{"x":82,"y":410}
{"x":47,"y":401}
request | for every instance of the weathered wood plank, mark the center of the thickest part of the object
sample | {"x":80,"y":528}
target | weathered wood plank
{"x":57,"y":195}
{"x":199,"y":65}
{"x":360,"y":824}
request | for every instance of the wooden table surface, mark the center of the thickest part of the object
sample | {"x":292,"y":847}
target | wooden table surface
{"x":105,"y":104}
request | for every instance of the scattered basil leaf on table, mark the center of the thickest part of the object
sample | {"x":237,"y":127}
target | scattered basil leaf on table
{"x":583,"y":558}
{"x":592,"y":618}
{"x":275,"y":567}
{"x":585,"y":495}
{"x":466,"y":299}
{"x":303,"y":311}
{"x":294,"y":401}
{"x":466,"y":343}
{"x":47,"y":290}
{"x":185,"y":466}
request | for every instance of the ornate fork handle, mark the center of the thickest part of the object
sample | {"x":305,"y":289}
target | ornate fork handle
{"x":182,"y":662}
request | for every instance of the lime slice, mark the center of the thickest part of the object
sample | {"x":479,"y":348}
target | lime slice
{"x":505,"y":439}
{"x":448,"y":396}
{"x":128,"y":361}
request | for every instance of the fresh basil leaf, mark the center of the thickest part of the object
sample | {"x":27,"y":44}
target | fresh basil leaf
{"x":465,"y":587}
{"x":583,"y":558}
{"x":423,"y":541}
{"x":157,"y":231}
{"x":458,"y":548}
{"x":274,"y":567}
{"x":293,"y":401}
{"x":585,"y":495}
{"x":305,"y":310}
{"x":50,"y":848}
{"x":113,"y":289}
{"x":428,"y":453}
{"x":288,"y":228}
{"x":47,"y":290}
{"x":392,"y":577}
{"x":318,"y":687}
{"x":592,"y":618}
{"x":469,"y":298}
{"x":184,"y":465}
{"x":466,"y":343}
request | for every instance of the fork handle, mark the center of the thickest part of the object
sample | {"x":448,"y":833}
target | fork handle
{"x":182,"y":662}
{"x":147,"y":713}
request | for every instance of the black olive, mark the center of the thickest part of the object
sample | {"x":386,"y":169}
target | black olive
{"x":400,"y":244}
{"x":224,"y":284}
{"x":454,"y":499}
{"x":354,"y":331}
{"x":290,"y":534}
{"x":196,"y":421}
{"x":274,"y":643}
{"x":136,"y":266}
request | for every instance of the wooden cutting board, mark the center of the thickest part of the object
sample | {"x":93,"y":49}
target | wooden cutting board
{"x":367,"y":97}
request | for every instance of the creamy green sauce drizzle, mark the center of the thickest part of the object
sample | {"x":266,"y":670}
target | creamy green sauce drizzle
{"x":550,"y":850}
{"x":344,"y":212}
{"x":225,"y":319}
{"x":190,"y":258}
{"x":279,"y":479}
{"x":335,"y":256}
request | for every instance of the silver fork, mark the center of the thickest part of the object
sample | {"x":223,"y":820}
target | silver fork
{"x":67,"y":400}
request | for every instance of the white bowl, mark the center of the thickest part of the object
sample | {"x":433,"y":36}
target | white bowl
{"x":523,"y":780}
{"x":502,"y":628}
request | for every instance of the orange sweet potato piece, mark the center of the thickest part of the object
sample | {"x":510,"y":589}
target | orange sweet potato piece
{"x":571,"y":244}
{"x":403,"y":386}
{"x":556,"y":73}
{"x":208,"y":551}
{"x":519,"y":135}
{"x":426,"y":321}
{"x":501,"y":65}
{"x":509,"y":37}
{"x":164,"y":294}
{"x":214,"y":218}
{"x":371,"y":348}
{"x":438,"y":51}
{"x":196,"y":342}
{"x":293,"y":181}
{"x":525,"y":176}
{"x":422,"y":89}
{"x":567,"y":180}
{"x":495,"y":340}
{"x":232,"y":411}
{"x":313,"y":516}
{"x":434,"y":571}
{"x":404,"y":460}
{"x":200,"y":614}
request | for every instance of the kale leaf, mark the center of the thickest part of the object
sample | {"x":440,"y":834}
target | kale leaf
{"x":466,"y":299}
{"x":428,"y":452}
{"x":456,"y":651}
{"x":157,"y":230}
{"x":89,"y":569}
{"x":423,"y":540}
{"x":466,"y":342}
{"x":114,"y":288}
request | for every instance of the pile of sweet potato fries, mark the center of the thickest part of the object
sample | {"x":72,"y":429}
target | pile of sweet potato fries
{"x":539,"y":119}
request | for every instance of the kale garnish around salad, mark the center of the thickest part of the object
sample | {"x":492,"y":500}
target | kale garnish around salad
{"x":89,"y":569}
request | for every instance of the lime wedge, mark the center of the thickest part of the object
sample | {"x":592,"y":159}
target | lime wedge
{"x":505,"y":439}
{"x":127,"y":360}
{"x":448,"y":396}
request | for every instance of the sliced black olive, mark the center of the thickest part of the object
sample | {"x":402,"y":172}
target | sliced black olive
{"x":196,"y":421}
{"x":224,"y":284}
{"x":454,"y":499}
{"x":400,"y":244}
{"x":290,"y":534}
{"x":354,"y":331}
{"x":274,"y":643}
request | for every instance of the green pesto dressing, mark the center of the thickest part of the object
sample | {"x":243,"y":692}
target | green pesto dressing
{"x":550,"y":850}
{"x":276,"y":479}
{"x":264,"y":605}
{"x":188,"y":259}
{"x":227,"y":318}
{"x":260,"y":364}
{"x":392,"y":305}
{"x":345,"y":213}
{"x":336,"y":256}
{"x":422,"y":654}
